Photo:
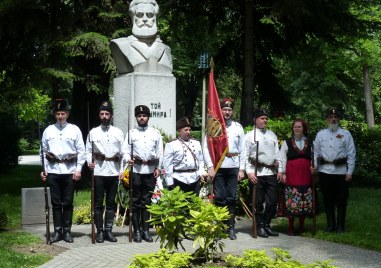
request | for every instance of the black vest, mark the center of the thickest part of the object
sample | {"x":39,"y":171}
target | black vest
{"x":293,"y":153}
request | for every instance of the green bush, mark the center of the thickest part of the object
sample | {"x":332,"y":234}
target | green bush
{"x":178,"y":212}
{"x":82,"y":214}
{"x":23,"y":144}
{"x":161,"y":259}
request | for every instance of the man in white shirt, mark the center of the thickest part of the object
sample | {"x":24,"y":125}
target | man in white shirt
{"x":183,"y":160}
{"x":104,"y":144}
{"x":147,"y":157}
{"x":64,"y":151}
{"x":335,"y":157}
{"x":268,"y":169}
{"x":232,"y":168}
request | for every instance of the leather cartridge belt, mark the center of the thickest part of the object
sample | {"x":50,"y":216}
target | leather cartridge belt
{"x":102,"y":157}
{"x":71,"y":158}
{"x":260,"y":165}
{"x":151,"y":162}
{"x":231,"y":154}
{"x":184,"y":170}
{"x":336,"y":162}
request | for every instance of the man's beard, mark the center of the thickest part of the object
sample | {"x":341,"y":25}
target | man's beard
{"x":142,"y":124}
{"x":144,"y":31}
{"x":228,"y":121}
{"x":105,"y":122}
{"x":333,"y":126}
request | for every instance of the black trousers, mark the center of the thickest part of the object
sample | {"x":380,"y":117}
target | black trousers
{"x":193,"y":187}
{"x":225,"y":187}
{"x":105,"y":186}
{"x":143,"y":187}
{"x":266,"y":193}
{"x":61,"y":190}
{"x":335,"y":190}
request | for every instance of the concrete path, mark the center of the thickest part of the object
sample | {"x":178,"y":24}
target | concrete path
{"x":82,"y":253}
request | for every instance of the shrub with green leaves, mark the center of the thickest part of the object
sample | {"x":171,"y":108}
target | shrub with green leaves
{"x":207,"y":226}
{"x":82,"y":214}
{"x":169,"y":216}
{"x":254,"y":258}
{"x":179,"y":212}
{"x":161,"y":259}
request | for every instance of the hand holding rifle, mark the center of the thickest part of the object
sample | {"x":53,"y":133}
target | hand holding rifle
{"x":92,"y":166}
{"x":314,"y":181}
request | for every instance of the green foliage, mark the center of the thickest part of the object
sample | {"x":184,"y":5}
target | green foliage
{"x":258,"y":259}
{"x":161,"y":259}
{"x":82,"y":214}
{"x":23,"y":144}
{"x":207,"y":226}
{"x":169,"y":216}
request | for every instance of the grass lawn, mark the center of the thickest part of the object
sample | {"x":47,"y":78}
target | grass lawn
{"x":361,"y":225}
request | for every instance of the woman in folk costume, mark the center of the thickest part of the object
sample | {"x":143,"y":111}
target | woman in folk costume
{"x":296,"y":155}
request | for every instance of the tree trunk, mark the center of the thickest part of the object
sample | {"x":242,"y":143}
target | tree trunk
{"x":368,"y":97}
{"x":247,"y":98}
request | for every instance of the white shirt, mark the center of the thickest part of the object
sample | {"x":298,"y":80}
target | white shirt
{"x":333,"y":145}
{"x":236,"y":138}
{"x":63,"y":141}
{"x":183,"y":155}
{"x":268,"y":151}
{"x":147,"y":145}
{"x":108,"y":141}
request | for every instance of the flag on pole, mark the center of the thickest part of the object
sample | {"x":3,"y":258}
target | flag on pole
{"x":217,"y":137}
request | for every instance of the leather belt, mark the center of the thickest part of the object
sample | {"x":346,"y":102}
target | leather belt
{"x":231,"y":154}
{"x":184,"y":170}
{"x":260,"y":165}
{"x":151,"y":162}
{"x":71,"y":158}
{"x":336,"y":162}
{"x":102,"y":157}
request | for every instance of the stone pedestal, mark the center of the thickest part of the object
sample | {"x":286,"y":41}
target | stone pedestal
{"x":156,"y":91}
{"x":33,"y":206}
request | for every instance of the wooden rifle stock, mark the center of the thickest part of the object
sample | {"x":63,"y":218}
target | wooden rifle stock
{"x":314,"y":180}
{"x":47,"y":209}
{"x":92,"y":195}
{"x":254,"y":193}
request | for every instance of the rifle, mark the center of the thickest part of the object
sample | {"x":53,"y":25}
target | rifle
{"x":47,"y":209}
{"x":92,"y":194}
{"x":254,"y":193}
{"x":130,"y":184}
{"x":314,"y":180}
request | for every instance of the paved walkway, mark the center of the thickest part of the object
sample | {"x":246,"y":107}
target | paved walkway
{"x":82,"y":253}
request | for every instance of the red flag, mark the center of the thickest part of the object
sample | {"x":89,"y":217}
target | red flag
{"x":217,"y":136}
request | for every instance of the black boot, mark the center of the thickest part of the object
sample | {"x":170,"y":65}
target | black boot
{"x":109,"y":220}
{"x":136,"y":225}
{"x":145,"y":226}
{"x":67,"y":222}
{"x":57,"y":220}
{"x":331,"y":223}
{"x":98,"y":219}
{"x":270,"y":231}
{"x":341,"y":212}
{"x":231,"y":223}
{"x":261,"y":232}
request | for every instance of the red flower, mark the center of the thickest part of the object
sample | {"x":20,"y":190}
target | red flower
{"x":339,"y":136}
